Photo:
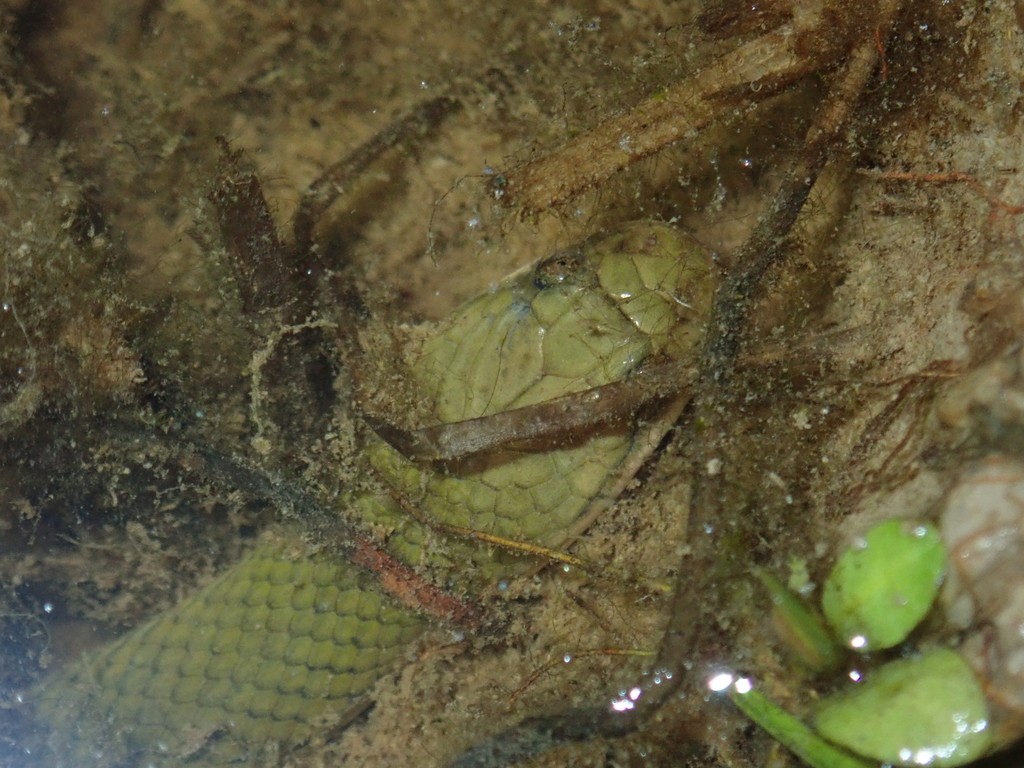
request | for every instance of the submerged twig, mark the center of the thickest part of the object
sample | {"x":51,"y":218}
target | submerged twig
{"x":563,"y":420}
{"x":751,"y":73}
{"x":693,"y":623}
{"x":327,"y":187}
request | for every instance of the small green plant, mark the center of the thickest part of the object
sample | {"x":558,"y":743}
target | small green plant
{"x":927,"y":708}
{"x":884,"y":584}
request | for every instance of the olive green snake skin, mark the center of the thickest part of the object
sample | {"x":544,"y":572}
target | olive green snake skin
{"x":289,"y":637}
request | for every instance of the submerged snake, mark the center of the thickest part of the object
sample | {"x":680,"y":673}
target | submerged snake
{"x":294,"y":635}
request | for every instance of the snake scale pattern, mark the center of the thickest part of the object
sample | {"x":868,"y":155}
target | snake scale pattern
{"x":293,"y":636}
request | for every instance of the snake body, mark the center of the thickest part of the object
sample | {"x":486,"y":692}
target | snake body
{"x":292,"y":637}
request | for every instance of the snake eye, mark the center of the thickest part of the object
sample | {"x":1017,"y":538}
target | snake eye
{"x":568,"y":266}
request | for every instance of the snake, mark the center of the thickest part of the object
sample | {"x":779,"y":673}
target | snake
{"x":295,"y":635}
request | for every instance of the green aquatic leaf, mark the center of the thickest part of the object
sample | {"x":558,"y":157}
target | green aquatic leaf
{"x":928,"y":710}
{"x":792,"y":733}
{"x":884,"y":584}
{"x":800,"y":628}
